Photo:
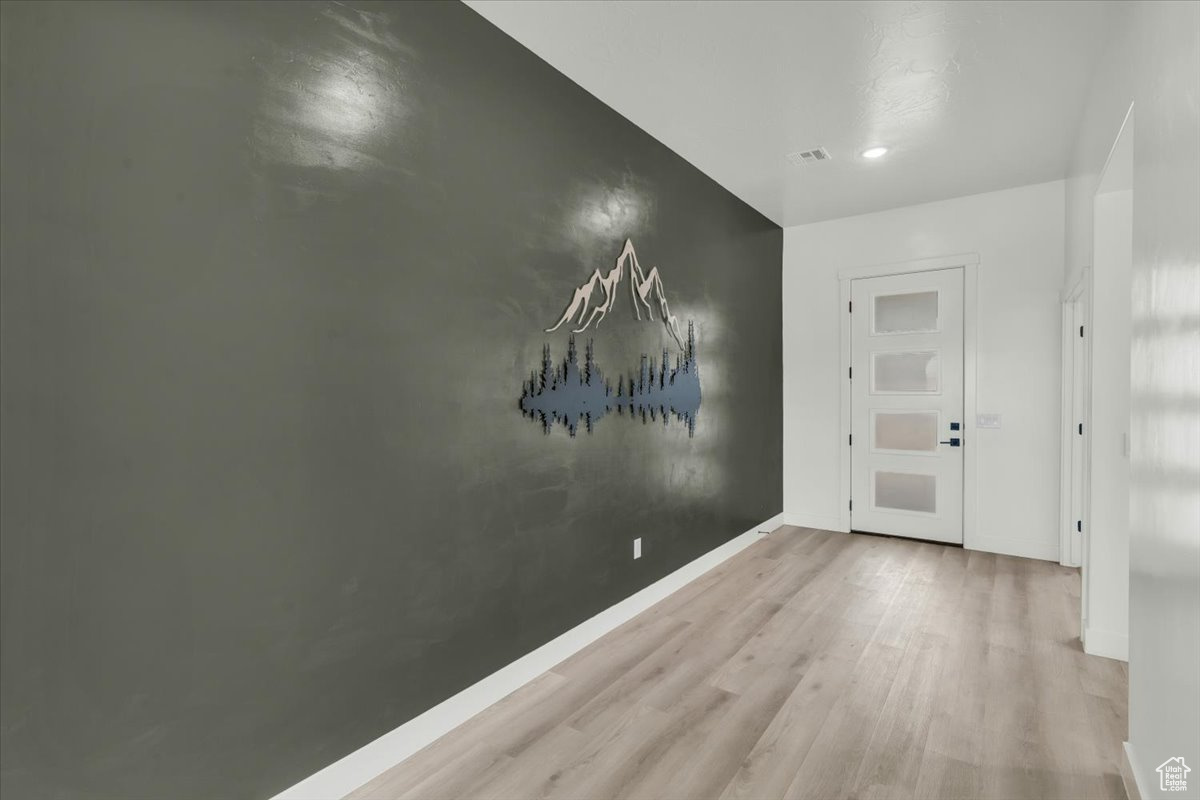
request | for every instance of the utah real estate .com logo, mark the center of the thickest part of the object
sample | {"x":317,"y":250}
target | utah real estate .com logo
{"x":1172,"y":775}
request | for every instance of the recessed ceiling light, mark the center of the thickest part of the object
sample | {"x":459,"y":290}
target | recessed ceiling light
{"x":874,"y":152}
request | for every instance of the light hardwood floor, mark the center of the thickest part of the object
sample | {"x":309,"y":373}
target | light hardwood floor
{"x":811,"y":665}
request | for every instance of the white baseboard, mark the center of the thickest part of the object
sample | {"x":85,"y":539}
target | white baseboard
{"x":1097,"y":642}
{"x":1130,"y":772}
{"x":1023,"y":548}
{"x":344,"y":776}
{"x":802,"y":519}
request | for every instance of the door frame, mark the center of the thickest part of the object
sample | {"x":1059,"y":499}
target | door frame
{"x":969,"y":262}
{"x":1081,"y":290}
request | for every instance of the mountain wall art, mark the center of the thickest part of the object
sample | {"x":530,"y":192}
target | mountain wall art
{"x":571,"y":393}
{"x":641,"y":286}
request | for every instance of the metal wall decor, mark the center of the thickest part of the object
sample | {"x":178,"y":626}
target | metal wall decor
{"x":641,"y":286}
{"x":571,"y":393}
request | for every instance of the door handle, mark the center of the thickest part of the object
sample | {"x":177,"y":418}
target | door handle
{"x":954,"y":442}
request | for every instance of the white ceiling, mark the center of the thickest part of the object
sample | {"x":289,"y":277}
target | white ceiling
{"x":969,"y":96}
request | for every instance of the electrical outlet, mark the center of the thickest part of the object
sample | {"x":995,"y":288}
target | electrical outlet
{"x":637,"y":548}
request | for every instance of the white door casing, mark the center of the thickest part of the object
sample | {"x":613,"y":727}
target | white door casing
{"x":907,"y":405}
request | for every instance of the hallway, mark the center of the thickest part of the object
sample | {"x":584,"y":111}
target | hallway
{"x":812,"y":665}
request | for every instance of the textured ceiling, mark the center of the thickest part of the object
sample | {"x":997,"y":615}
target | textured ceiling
{"x":969,"y":96}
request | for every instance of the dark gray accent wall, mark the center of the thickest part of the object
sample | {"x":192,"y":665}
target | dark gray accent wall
{"x":272,"y":276}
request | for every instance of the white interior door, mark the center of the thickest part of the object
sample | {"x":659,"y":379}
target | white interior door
{"x":1079,"y":457}
{"x":907,"y":424}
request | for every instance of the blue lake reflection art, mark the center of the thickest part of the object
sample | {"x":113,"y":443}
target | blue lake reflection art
{"x":572,"y":393}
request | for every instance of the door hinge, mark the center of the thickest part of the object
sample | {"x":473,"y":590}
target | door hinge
{"x":1079,"y":526}
{"x":851,"y":373}
{"x":850,"y":440}
{"x":851,"y":505}
{"x":850,"y":307}
{"x":1081,"y":331}
{"x":1081,"y":429}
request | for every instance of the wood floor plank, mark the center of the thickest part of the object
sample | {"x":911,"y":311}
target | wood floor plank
{"x":848,"y":728}
{"x":719,"y":756}
{"x":615,"y":756}
{"x":674,"y":753}
{"x":771,"y":765}
{"x":812,"y":665}
{"x":471,"y":743}
{"x":891,"y":764}
{"x":686,"y":660}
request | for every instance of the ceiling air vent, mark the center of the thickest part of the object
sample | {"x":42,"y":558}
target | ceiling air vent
{"x":803,"y":157}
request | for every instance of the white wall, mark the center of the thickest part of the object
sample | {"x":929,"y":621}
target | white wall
{"x":1018,"y":234}
{"x":1106,"y":567}
{"x":1155,"y":64}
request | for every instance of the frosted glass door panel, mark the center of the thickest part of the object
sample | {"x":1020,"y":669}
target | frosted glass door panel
{"x":906,"y":430}
{"x":906,"y":492}
{"x":905,"y":372}
{"x":914,"y":312}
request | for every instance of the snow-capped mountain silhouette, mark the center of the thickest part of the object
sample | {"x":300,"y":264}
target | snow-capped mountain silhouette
{"x":643,"y":287}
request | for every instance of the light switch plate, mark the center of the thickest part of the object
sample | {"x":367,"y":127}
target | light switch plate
{"x":987,"y":421}
{"x":637,"y":548}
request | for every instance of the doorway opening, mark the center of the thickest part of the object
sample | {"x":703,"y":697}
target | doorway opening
{"x":1097,"y":331}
